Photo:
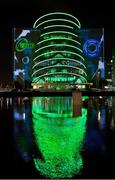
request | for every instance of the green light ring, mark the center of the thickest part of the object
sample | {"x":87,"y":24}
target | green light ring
{"x":58,"y":39}
{"x":51,"y":118}
{"x":68,"y":73}
{"x":57,"y":20}
{"x":55,"y":66}
{"x":37,"y":114}
{"x":68,"y":116}
{"x":60,"y":52}
{"x":68,"y":59}
{"x":51,"y":45}
{"x":52,"y":26}
{"x":60,"y":13}
{"x":65,"y":32}
{"x":18,"y":44}
{"x":52,"y":115}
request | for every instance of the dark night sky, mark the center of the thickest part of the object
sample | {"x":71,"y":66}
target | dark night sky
{"x":20,"y":13}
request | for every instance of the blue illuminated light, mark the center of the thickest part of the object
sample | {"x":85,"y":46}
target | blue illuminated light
{"x":23,"y":34}
{"x":91,"y":48}
{"x":18,"y":71}
{"x":25,"y":60}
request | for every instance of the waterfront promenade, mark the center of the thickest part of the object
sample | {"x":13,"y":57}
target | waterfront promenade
{"x":30,"y":93}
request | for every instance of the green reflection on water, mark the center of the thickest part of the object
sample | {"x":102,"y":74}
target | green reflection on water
{"x":58,"y":136}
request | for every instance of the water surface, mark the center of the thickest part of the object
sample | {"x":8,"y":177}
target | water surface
{"x":54,"y":137}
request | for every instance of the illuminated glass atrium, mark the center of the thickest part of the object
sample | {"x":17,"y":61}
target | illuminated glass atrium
{"x":58,"y":56}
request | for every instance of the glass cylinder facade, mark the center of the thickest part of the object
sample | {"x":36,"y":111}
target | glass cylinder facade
{"x":58,"y":56}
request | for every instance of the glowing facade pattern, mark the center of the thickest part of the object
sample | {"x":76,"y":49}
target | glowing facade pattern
{"x":58,"y":136}
{"x":58,"y":50}
{"x":24,"y":41}
{"x":94,"y":53}
{"x":91,"y":47}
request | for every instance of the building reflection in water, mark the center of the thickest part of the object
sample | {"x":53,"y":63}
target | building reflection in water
{"x":58,"y":135}
{"x":112,"y":125}
{"x":5,"y":102}
{"x":22,"y":128}
{"x":96,"y":125}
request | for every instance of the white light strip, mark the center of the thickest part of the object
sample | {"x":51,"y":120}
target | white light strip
{"x":55,"y":45}
{"x":58,"y":73}
{"x":59,"y":52}
{"x":67,"y":59}
{"x":55,"y":66}
{"x":65,"y":32}
{"x":58,"y":39}
{"x":57,"y":13}
{"x":57,"y":20}
{"x":58,"y":26}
